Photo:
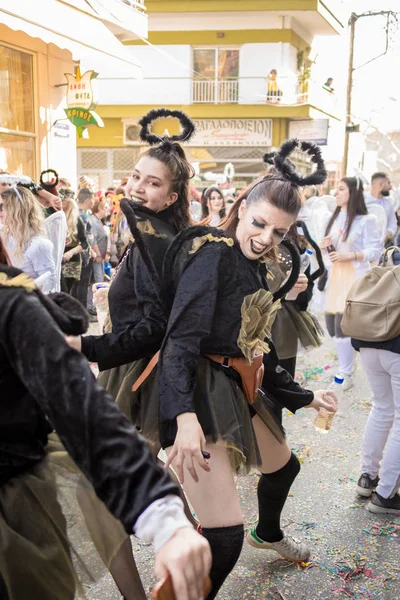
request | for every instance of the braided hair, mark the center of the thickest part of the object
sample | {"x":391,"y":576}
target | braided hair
{"x":167,"y":149}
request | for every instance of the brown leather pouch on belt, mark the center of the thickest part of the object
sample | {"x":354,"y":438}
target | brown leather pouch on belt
{"x":251,"y":375}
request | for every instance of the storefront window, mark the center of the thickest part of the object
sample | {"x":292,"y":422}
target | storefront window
{"x":17,"y":152}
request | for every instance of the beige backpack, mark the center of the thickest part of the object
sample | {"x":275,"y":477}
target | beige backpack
{"x":372,"y":312}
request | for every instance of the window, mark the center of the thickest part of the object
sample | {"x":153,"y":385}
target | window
{"x":216,"y":72}
{"x":17,"y":120}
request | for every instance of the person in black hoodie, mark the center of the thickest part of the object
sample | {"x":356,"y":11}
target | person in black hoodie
{"x":381,"y":361}
{"x":46,"y":384}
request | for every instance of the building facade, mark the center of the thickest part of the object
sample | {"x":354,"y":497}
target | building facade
{"x":39,"y":43}
{"x":241,"y":69}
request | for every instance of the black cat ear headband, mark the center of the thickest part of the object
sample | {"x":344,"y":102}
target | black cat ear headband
{"x":286,"y":169}
{"x":146,"y":135}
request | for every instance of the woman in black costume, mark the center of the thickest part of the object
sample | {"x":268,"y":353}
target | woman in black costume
{"x":47,"y":384}
{"x":219,"y":326}
{"x":158,"y":188}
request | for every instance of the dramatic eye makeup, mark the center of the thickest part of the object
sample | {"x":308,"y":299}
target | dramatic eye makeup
{"x":258,"y":224}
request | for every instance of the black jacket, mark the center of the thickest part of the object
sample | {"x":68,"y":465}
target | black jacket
{"x":206,"y":318}
{"x":46,"y":384}
{"x":137,"y":315}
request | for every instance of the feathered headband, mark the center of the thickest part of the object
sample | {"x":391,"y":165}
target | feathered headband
{"x":15,"y":179}
{"x":146,"y":134}
{"x":286,"y":169}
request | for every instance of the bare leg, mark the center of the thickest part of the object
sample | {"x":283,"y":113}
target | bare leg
{"x":274,"y":454}
{"x":215,"y":500}
{"x":214,"y":497}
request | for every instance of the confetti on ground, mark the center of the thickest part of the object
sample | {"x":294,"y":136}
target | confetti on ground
{"x":390,"y":529}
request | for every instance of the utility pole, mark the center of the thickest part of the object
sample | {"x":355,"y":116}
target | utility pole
{"x":348,"y":121}
{"x":352,"y":22}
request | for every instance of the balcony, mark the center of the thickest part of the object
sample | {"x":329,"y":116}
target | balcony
{"x":216,"y":92}
{"x":284,"y":91}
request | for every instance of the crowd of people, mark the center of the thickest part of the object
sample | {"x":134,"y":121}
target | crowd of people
{"x":198,"y":353}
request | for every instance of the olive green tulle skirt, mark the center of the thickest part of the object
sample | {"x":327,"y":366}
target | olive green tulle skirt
{"x":292,"y":326}
{"x":222,"y":410}
{"x":57,"y":538}
{"x":35,"y":553}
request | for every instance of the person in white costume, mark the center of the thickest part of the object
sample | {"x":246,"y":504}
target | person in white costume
{"x":352,"y":242}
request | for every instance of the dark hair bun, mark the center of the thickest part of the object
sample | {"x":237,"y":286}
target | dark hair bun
{"x":186,"y":133}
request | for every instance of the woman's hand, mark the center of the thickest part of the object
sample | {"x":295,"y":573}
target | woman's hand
{"x":341,"y":256}
{"x":188,"y":446}
{"x":324,"y":399}
{"x":325,"y":242}
{"x":187,"y":558}
{"x":68,"y":255}
{"x":48,"y":199}
{"x":299,"y":287}
{"x":74,"y":341}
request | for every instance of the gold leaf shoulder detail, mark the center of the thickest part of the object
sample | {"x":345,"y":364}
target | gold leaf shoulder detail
{"x":21,"y":280}
{"x":147,"y":227}
{"x":258,"y":315}
{"x":209,"y":237}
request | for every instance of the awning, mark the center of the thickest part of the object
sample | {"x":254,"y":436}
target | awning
{"x":124,"y":20}
{"x":85,"y":36}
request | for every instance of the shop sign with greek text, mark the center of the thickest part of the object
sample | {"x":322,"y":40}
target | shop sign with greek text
{"x":232,"y":132}
{"x":81,"y":101}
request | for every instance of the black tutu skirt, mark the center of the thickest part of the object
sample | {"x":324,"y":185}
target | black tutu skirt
{"x":119,"y":381}
{"x":222,"y":410}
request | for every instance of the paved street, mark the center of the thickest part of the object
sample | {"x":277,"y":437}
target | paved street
{"x":354,"y":553}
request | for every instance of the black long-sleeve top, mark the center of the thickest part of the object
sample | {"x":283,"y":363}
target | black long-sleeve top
{"x":137,"y":315}
{"x":43,"y":381}
{"x":206,"y":318}
{"x":81,"y":239}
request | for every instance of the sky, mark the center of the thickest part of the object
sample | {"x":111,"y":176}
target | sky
{"x":376,"y":89}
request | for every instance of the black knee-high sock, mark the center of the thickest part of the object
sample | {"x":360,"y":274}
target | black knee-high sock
{"x":272,"y":491}
{"x":226,"y":545}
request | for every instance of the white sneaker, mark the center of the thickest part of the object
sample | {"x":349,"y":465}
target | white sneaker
{"x":348,"y":382}
{"x":290,"y":548}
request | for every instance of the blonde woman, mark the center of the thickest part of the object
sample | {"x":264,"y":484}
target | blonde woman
{"x":23,"y":233}
{"x":75,"y":244}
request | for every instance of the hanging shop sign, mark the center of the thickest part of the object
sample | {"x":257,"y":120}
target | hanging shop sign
{"x":311,"y":130}
{"x":81,"y":102}
{"x":232,"y":132}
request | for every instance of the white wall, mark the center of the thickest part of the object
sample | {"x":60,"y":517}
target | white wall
{"x":256,"y":61}
{"x":167,"y":75}
{"x":166,"y":78}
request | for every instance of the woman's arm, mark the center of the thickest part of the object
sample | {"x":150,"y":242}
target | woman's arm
{"x":282,"y":386}
{"x":140,"y":339}
{"x":372,"y":246}
{"x":100,"y":439}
